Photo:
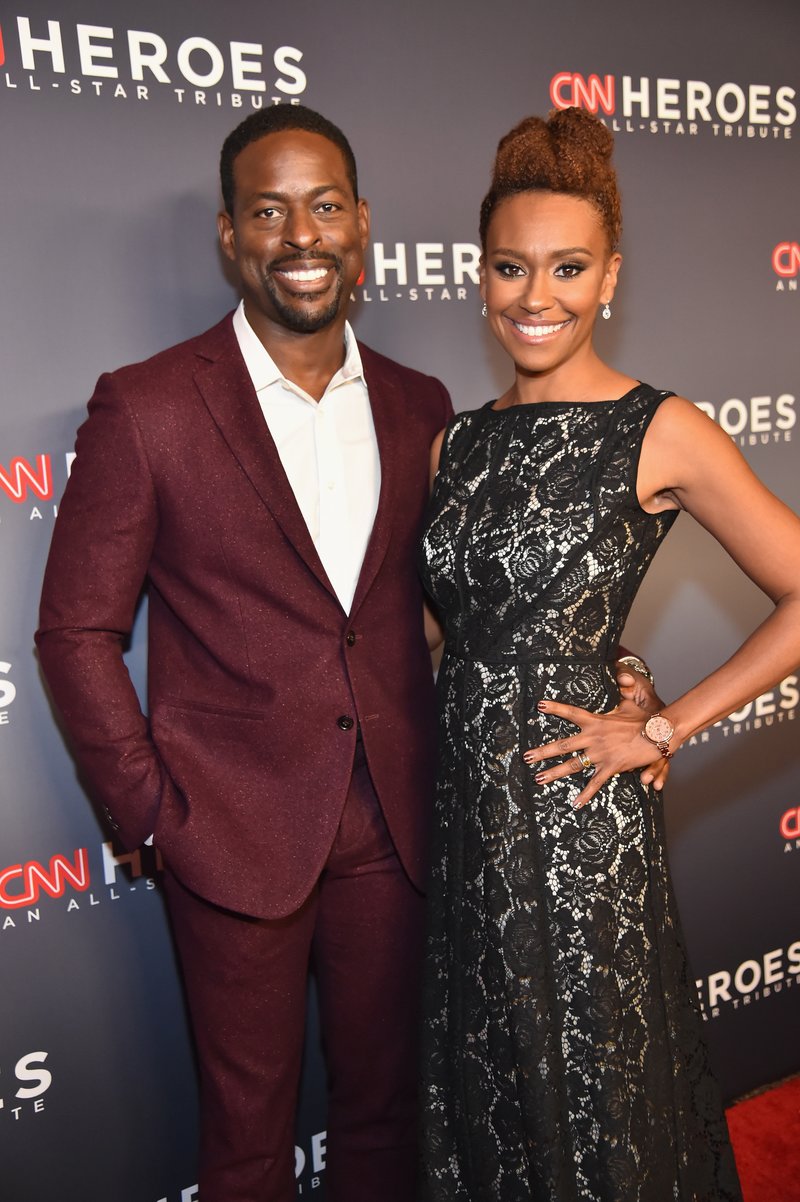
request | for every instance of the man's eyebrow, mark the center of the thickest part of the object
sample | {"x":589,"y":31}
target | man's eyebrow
{"x":286,"y":196}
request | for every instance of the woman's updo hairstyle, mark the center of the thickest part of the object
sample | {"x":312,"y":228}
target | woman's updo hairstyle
{"x":570,"y":152}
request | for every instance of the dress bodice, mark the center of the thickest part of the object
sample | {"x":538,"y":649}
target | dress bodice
{"x":535,"y":542}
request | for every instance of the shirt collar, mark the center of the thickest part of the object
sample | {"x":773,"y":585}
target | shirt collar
{"x":263,"y":369}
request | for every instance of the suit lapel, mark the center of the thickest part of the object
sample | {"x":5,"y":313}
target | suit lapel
{"x":386,"y":403}
{"x":227,"y":390}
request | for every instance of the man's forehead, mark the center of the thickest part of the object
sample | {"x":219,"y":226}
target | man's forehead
{"x":286,"y":145}
{"x":290,"y":163}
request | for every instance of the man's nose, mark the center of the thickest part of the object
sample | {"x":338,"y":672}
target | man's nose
{"x":300,"y":229}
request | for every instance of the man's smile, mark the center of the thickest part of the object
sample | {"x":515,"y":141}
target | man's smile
{"x":304,"y":276}
{"x":311,"y":273}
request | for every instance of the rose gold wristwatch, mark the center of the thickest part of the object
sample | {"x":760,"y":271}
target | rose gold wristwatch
{"x":659,"y":730}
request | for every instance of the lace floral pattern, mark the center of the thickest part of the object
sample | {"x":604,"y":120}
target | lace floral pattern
{"x":564,"y":1059}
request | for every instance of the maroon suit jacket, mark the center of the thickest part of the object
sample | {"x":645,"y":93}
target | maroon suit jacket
{"x":256,"y":676}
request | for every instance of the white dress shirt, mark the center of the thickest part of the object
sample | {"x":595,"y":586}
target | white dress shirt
{"x":328,"y":450}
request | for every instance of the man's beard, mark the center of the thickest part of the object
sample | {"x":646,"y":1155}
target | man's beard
{"x":295,"y":319}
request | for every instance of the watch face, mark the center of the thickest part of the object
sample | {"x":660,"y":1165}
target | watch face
{"x":659,"y":729}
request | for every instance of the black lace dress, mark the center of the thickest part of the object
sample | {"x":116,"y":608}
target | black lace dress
{"x":564,"y":1058}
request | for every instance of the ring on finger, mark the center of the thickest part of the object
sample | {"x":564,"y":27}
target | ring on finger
{"x":584,"y":759}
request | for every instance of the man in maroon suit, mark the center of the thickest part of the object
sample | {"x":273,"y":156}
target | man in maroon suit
{"x":267,"y":480}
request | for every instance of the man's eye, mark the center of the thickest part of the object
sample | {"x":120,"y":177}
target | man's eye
{"x":328,"y":206}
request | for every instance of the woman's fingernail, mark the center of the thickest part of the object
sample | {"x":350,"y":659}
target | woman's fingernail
{"x":541,"y":778}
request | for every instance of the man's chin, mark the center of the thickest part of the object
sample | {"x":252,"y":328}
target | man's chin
{"x":308,"y":320}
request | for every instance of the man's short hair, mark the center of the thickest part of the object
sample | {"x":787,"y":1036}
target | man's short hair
{"x":273,"y":120}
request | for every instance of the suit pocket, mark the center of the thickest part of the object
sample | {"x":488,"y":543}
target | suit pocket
{"x":204,"y":707}
{"x":219,"y":762}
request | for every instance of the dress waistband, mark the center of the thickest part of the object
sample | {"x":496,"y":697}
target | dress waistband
{"x":520,"y":655}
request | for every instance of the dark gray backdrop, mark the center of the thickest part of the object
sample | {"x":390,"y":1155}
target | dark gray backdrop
{"x":109,"y":254}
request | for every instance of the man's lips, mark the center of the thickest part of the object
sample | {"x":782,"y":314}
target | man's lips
{"x":308,"y":274}
{"x":303,"y":275}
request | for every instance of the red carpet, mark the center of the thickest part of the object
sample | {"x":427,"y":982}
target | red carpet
{"x":765,"y":1131}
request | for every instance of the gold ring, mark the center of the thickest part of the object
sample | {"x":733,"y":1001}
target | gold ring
{"x":584,"y":759}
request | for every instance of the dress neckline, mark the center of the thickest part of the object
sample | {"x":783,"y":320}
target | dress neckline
{"x":564,"y":404}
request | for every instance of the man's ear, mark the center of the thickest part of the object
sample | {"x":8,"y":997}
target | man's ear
{"x":363,"y":222}
{"x":227,"y":237}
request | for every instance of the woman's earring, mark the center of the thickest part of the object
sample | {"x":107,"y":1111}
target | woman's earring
{"x":606,"y":310}
{"x":484,"y":310}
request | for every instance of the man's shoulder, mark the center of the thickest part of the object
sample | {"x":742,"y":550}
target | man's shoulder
{"x":381,"y":365}
{"x":182,"y":358}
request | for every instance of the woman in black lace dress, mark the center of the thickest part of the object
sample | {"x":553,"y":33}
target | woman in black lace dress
{"x":564,"y":1060}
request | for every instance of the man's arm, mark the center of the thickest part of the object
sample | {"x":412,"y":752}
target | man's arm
{"x":637,"y":688}
{"x":97,"y":565}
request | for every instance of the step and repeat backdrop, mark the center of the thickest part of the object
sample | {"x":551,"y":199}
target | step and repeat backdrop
{"x":111,"y":119}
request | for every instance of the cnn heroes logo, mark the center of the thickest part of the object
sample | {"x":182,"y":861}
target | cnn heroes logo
{"x":136,"y":64}
{"x":72,"y":880}
{"x":420,"y":271}
{"x":789,"y":828}
{"x":750,"y":982}
{"x":755,"y":421}
{"x":8,"y":692}
{"x":684,"y":107}
{"x":770,"y":709}
{"x":22,"y":1089}
{"x":786,"y":265}
{"x":29,"y":484}
{"x":308,"y":1165}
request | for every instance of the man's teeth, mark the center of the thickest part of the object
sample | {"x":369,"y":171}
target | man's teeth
{"x":539,"y":331}
{"x":305,"y":277}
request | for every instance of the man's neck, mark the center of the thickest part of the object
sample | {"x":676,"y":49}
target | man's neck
{"x":309,"y":360}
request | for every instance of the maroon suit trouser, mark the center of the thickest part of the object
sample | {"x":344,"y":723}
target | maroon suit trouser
{"x":246,"y":982}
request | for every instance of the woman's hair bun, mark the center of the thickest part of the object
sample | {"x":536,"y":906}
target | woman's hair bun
{"x":569,"y":152}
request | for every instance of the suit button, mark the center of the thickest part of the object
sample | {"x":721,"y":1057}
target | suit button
{"x":345,"y":722}
{"x":350,"y":638}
